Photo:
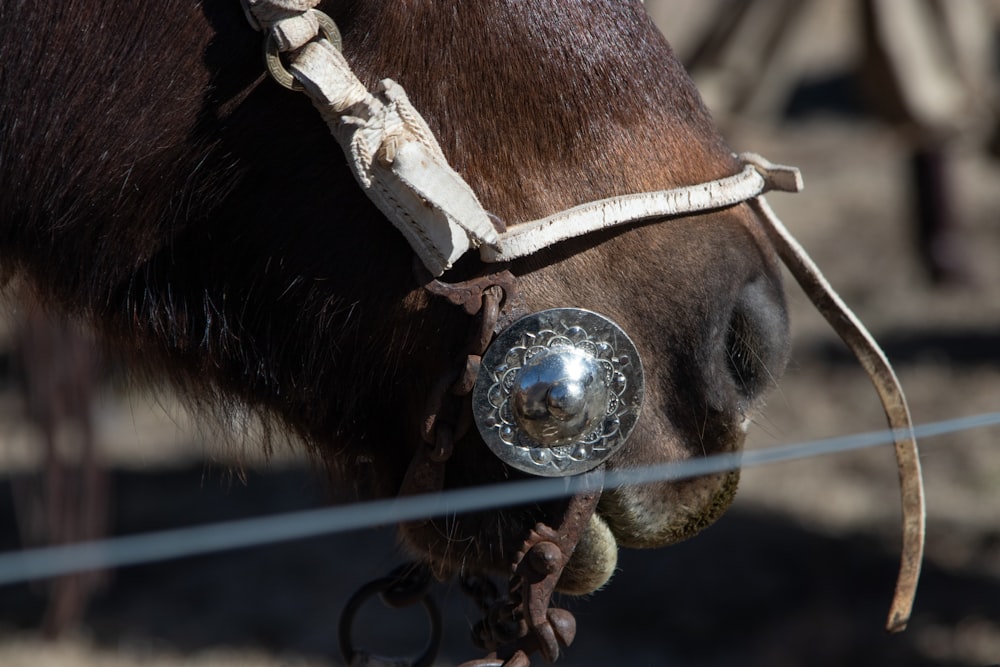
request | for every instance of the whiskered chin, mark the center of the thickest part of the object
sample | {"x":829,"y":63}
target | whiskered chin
{"x":630,"y":517}
{"x":655,"y":514}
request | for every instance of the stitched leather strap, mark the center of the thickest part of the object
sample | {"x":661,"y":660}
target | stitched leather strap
{"x":757,"y":177}
{"x":399,"y":164}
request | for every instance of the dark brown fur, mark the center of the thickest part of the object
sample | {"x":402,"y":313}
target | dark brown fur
{"x":157,"y":185}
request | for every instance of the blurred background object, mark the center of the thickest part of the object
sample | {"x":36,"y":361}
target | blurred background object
{"x":57,"y":369}
{"x":926,"y":68}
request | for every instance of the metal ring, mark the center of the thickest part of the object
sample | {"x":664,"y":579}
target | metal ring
{"x":272,"y":56}
{"x":378,"y":588}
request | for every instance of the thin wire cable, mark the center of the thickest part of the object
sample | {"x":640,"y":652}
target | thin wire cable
{"x":40,"y":563}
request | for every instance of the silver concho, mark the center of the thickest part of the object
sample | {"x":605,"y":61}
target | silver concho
{"x":558,"y":392}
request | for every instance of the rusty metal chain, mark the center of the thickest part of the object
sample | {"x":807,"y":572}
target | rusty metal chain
{"x":521,"y":622}
{"x":444,"y":423}
{"x":446,"y":416}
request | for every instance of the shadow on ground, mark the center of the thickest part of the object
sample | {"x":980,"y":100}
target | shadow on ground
{"x":757,"y":589}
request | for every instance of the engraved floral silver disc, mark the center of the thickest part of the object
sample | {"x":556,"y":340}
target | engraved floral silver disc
{"x":558,"y":392}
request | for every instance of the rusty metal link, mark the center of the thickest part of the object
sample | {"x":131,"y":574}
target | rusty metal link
{"x":488,"y":316}
{"x":521,"y":623}
{"x":468,"y":294}
{"x":406,"y":585}
{"x":446,"y":416}
{"x":467,"y":380}
{"x":501,"y":622}
{"x":480,"y":588}
{"x":426,"y":471}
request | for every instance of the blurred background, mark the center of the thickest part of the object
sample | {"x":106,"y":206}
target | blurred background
{"x":889,"y":109}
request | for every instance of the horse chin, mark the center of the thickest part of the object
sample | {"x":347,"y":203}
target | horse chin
{"x":644,"y":518}
{"x":629,"y":518}
{"x":662,"y":513}
{"x":648,"y":516}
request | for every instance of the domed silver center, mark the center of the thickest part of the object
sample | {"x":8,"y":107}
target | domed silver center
{"x":558,"y":392}
{"x":559,"y":395}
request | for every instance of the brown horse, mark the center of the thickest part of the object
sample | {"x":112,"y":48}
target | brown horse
{"x":160,"y":187}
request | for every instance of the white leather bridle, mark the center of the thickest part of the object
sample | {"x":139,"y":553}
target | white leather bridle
{"x":398,"y":163}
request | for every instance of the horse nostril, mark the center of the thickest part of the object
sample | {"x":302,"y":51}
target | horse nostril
{"x":757,"y":340}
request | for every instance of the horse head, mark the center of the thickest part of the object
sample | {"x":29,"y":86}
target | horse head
{"x":205,"y":222}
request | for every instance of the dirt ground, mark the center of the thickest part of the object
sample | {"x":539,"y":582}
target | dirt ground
{"x":800,"y":571}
